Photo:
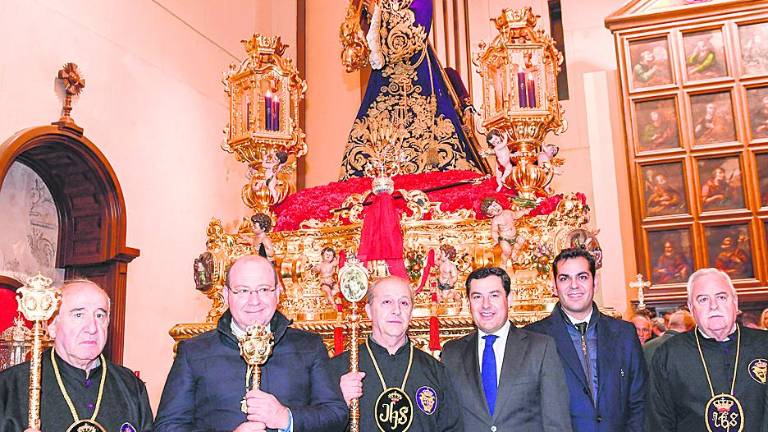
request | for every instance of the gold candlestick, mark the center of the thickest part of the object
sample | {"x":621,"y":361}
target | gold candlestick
{"x":353,"y":283}
{"x":37,"y":302}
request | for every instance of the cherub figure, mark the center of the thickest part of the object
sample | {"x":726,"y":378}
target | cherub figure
{"x":448,"y":274}
{"x":327,"y":272}
{"x":498,"y":141}
{"x":272,"y":165}
{"x":503,"y":229}
{"x":547,"y":155}
{"x":260,"y":241}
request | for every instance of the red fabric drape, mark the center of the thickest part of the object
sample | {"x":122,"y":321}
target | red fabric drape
{"x":426,"y":270}
{"x":434,"y":334}
{"x":338,"y":340}
{"x":381,"y":238}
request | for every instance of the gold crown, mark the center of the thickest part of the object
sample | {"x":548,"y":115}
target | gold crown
{"x":262,"y":44}
{"x":723,"y":404}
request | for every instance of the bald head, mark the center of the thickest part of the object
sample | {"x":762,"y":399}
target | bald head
{"x":386,"y":284}
{"x":80,"y":327}
{"x":681,"y":321}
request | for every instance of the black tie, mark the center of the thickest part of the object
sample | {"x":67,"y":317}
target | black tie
{"x":582,"y":328}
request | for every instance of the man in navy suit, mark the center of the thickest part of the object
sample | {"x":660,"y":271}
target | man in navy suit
{"x":602,"y":357}
{"x":207,"y":383}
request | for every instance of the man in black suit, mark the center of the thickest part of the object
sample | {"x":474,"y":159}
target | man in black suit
{"x":602,"y":358}
{"x":209,"y":383}
{"x":509,"y":379}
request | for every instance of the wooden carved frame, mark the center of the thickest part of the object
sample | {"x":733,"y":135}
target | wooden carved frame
{"x":92,"y":218}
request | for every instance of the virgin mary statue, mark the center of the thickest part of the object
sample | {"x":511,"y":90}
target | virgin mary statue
{"x":408,"y":103}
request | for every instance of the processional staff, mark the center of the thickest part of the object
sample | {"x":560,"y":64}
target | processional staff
{"x":255,"y":348}
{"x":37,"y":302}
{"x":353,"y":283}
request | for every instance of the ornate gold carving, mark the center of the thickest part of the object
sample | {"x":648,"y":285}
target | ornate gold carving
{"x":354,"y":53}
{"x":263,"y":131}
{"x":519,"y":71}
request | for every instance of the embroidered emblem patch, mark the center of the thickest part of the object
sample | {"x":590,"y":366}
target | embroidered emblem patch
{"x":426,"y":399}
{"x":758,"y":370}
{"x":724,"y":414}
{"x":127,"y":427}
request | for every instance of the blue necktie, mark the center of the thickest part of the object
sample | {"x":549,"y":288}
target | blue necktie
{"x":489,"y":372}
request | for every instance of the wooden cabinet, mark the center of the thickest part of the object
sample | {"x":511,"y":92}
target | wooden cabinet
{"x":694,"y":95}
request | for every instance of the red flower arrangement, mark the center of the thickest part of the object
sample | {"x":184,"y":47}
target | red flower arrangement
{"x":317,"y":202}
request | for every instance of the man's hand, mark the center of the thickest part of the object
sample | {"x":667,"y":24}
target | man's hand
{"x":251,"y":427}
{"x":352,"y":385}
{"x":265,"y":408}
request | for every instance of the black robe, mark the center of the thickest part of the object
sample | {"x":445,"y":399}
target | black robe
{"x":426,"y":371}
{"x":124,"y":401}
{"x":678,"y":391}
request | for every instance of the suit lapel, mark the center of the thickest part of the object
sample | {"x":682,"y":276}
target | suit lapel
{"x":514,"y":352}
{"x":565,"y":346}
{"x":472,"y":374}
{"x":606,"y":349}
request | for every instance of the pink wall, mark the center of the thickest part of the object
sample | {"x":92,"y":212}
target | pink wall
{"x":154,"y":105}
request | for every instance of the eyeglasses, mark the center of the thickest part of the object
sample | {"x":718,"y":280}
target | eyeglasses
{"x":260,"y":291}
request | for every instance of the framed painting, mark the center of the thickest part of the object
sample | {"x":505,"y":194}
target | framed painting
{"x":757,"y":100}
{"x":761,"y":160}
{"x":670,"y":252}
{"x":657,"y":122}
{"x":704,"y":55}
{"x":729,"y":248}
{"x":649,"y":63}
{"x":712,"y":115}
{"x":664,"y":189}
{"x":753,"y":39}
{"x":720,"y":183}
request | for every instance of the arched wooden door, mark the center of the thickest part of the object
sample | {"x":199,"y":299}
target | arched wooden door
{"x":91,"y":211}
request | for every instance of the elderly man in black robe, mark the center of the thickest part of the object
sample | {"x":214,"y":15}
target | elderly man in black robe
{"x":713,"y":377}
{"x":80,"y":389}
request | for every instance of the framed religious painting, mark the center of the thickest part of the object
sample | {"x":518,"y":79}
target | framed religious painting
{"x":671,"y":255}
{"x":649,"y":63}
{"x":761,"y":160}
{"x":664,"y":189}
{"x":753,"y":41}
{"x":757,"y":102}
{"x":720,"y":183}
{"x":712,"y":118}
{"x":657,"y":122}
{"x":729,"y":248}
{"x":704,"y":55}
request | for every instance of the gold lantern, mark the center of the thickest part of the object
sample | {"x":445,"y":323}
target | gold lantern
{"x":263,"y":131}
{"x":519,"y":72}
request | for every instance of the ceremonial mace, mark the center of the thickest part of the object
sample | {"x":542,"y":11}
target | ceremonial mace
{"x":37,"y":302}
{"x":255,"y":348}
{"x":353,"y":283}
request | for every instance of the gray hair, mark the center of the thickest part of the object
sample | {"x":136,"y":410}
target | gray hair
{"x":704,"y":272}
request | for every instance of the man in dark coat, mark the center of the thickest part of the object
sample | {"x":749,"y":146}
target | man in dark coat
{"x":510,"y":379}
{"x":679,"y":322}
{"x":78,"y":384}
{"x":604,"y":365}
{"x":208,"y":380}
{"x":713,"y":377}
{"x":389,"y":360}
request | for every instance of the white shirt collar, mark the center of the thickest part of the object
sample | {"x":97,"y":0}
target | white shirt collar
{"x":705,"y":336}
{"x":575,"y":321}
{"x":239,"y":333}
{"x":501,"y":333}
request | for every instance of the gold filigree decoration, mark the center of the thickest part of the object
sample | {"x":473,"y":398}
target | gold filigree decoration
{"x":430,"y":141}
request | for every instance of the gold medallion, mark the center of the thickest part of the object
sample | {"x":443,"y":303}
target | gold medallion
{"x":393,"y":411}
{"x":724,"y":414}
{"x":86,"y":426}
